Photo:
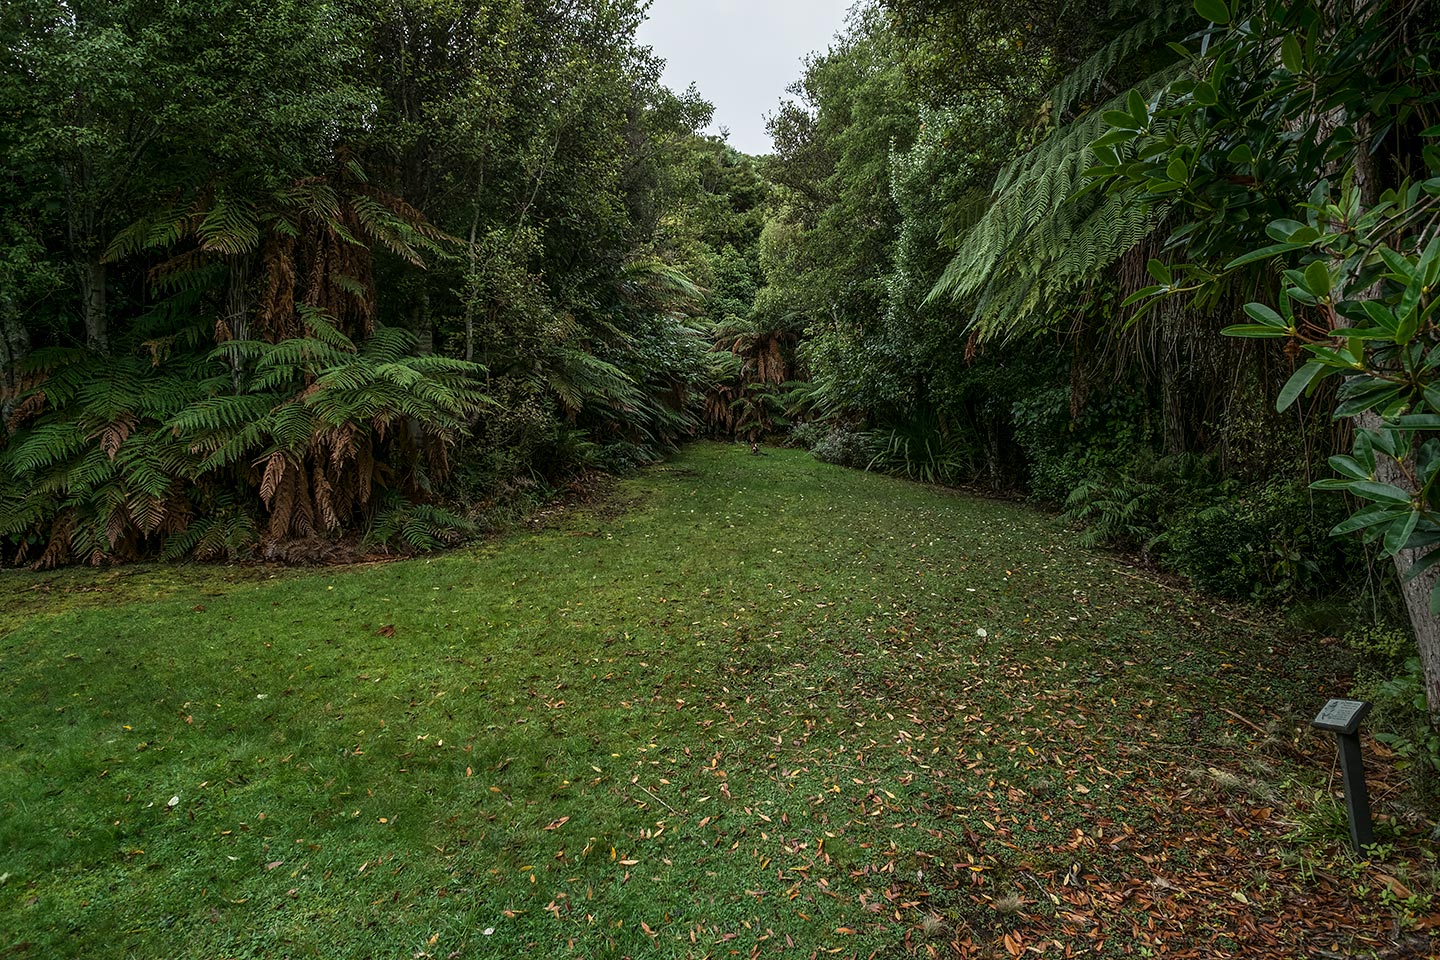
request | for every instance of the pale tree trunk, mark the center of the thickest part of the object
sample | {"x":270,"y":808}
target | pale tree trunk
{"x":423,"y":325}
{"x":472,"y":290}
{"x":1414,"y":591}
{"x":83,"y":217}
{"x":237,"y":312}
{"x":14,"y":348}
{"x":472,"y":283}
{"x":92,"y":304}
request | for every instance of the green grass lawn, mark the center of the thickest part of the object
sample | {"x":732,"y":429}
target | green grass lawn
{"x":749,"y":706}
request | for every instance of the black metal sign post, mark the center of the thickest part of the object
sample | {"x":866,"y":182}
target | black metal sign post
{"x":1342,"y":718}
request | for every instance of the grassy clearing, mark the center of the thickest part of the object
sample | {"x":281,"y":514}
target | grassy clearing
{"x":770,"y":707}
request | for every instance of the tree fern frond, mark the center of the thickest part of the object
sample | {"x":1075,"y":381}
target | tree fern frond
{"x":229,"y":227}
{"x":322,"y":327}
{"x":388,"y":345}
{"x":45,"y":445}
{"x":163,"y":229}
{"x":1159,"y":20}
{"x":220,"y":414}
{"x":1034,"y":242}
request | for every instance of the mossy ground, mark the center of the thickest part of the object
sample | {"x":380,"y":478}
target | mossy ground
{"x":772,"y":707}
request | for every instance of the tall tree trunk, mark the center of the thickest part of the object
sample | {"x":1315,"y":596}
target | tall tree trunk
{"x":422,"y":324}
{"x":473,"y":287}
{"x":14,"y":348}
{"x":92,"y":303}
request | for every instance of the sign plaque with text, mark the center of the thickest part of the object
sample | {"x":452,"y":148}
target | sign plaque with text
{"x":1342,"y":718}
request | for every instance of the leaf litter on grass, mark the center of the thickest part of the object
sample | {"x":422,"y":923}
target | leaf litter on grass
{"x":775,"y":708}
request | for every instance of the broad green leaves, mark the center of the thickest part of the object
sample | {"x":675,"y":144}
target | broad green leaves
{"x":1216,"y":11}
{"x":1358,"y":273}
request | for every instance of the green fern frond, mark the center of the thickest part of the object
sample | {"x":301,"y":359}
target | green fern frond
{"x":322,"y":327}
{"x":164,"y":229}
{"x":313,"y":198}
{"x":399,"y":237}
{"x":45,"y":445}
{"x":1035,"y":243}
{"x":229,"y":227}
{"x":220,"y":414}
{"x":1158,"y":21}
{"x":388,"y":345}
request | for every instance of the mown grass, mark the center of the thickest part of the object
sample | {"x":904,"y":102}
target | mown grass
{"x":769,"y":706}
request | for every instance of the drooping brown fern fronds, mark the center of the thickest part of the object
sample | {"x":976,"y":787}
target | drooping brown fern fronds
{"x":750,"y":361}
{"x":303,"y":414}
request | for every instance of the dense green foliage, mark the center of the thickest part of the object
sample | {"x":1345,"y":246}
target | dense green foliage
{"x":279,"y":272}
{"x":657,"y":729}
{"x":1018,"y":234}
{"x":1008,"y":358}
{"x":1350,"y":206}
{"x":964,"y":306}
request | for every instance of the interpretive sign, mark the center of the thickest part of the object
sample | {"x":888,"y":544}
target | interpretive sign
{"x":1341,"y":716}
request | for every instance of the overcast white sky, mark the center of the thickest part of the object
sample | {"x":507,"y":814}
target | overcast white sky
{"x":742,"y":54}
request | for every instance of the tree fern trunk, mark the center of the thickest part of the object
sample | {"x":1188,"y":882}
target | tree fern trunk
{"x":237,"y":311}
{"x":1172,"y":400}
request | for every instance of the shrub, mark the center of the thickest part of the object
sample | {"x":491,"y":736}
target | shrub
{"x":418,"y":527}
{"x":845,"y":447}
{"x":1402,"y":716}
{"x":1135,"y":508}
{"x":1388,"y":645}
{"x":808,"y":435}
{"x":923,"y":450}
{"x":1108,"y":440}
{"x":1268,"y":541}
{"x":1117,"y":511}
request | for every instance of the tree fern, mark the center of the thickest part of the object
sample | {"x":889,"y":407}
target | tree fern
{"x":230,"y":226}
{"x":1037,"y":242}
